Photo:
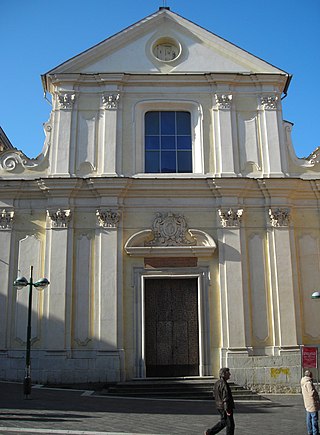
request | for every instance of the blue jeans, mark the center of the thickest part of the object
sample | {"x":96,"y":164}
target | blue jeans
{"x":312,"y":423}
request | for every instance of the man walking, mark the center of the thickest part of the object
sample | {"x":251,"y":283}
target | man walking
{"x":311,"y":402}
{"x":224,"y":403}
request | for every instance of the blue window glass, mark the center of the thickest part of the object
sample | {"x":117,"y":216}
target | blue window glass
{"x":152,"y":161}
{"x":184,"y":161}
{"x":152,"y":123}
{"x":168,"y":122}
{"x":152,"y":143}
{"x":168,"y":161}
{"x":168,"y":142}
{"x":183,"y":123}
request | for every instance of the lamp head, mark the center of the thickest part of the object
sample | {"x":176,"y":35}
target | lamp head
{"x":42,"y":283}
{"x":21,"y":282}
{"x":315,"y":295}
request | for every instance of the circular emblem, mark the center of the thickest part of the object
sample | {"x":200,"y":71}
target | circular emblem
{"x":166,"y":49}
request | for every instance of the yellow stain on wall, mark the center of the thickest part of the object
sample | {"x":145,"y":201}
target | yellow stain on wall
{"x":274,"y":373}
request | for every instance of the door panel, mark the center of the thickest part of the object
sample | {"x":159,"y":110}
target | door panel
{"x":171,"y":327}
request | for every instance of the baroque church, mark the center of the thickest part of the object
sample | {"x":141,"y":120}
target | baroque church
{"x":168,"y":210}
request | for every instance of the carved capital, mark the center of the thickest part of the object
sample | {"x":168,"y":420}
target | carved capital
{"x":279,"y":217}
{"x":230,"y":217}
{"x":110,"y":100}
{"x":223,"y":101}
{"x":6,"y":219}
{"x":269,"y":101}
{"x":170,"y":230}
{"x":60,"y":218}
{"x":108,"y":218}
{"x":66,"y":100}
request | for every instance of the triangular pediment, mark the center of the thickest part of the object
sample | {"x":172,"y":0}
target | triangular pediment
{"x":189,"y":49}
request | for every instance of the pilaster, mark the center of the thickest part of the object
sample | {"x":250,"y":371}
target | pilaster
{"x":59,"y":254}
{"x":6,"y":223}
{"x":231,"y":281}
{"x":281,"y":253}
{"x":270,"y":139}
{"x":108,"y":303}
{"x":63,"y":152}
{"x":108,"y":132}
{"x":225,"y":158}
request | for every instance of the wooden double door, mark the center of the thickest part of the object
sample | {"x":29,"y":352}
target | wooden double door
{"x":171,"y":327}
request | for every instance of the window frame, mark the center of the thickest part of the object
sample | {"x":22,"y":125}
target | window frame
{"x":141,"y":108}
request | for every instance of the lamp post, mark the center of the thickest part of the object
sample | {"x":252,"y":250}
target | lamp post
{"x":19,"y":283}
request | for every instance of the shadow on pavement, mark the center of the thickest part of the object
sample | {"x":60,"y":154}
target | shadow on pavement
{"x":11,"y":398}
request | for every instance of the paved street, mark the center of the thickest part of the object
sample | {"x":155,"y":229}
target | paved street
{"x":53,"y":411}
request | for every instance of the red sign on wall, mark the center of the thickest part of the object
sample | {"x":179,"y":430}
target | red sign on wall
{"x":309,"y":357}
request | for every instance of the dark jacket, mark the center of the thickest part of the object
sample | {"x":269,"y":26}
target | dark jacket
{"x":223,"y":396}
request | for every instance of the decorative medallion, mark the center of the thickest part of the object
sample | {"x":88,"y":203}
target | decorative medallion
{"x":108,"y":218}
{"x":60,"y":218}
{"x":6,"y":219}
{"x":279,"y":217}
{"x":166,"y":49}
{"x":230,"y":217}
{"x":170,"y":230}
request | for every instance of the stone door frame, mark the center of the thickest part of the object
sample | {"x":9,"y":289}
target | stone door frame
{"x":202,"y":276}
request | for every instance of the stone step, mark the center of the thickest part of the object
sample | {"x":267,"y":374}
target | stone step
{"x":183,"y":388}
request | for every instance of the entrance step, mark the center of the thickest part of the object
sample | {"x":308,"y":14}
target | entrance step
{"x":193,"y":388}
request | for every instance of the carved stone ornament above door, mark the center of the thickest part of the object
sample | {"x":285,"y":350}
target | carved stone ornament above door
{"x":170,"y":236}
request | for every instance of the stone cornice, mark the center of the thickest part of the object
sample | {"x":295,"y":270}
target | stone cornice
{"x":204,"y":187}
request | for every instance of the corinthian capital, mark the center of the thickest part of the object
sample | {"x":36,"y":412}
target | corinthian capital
{"x":230,"y":217}
{"x":59,"y":218}
{"x":66,"y":100}
{"x":223,"y":101}
{"x":108,"y":218}
{"x":269,"y":101}
{"x":6,"y":219}
{"x":110,"y":100}
{"x":279,"y":217}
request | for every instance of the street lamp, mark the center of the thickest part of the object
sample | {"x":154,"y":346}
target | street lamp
{"x":315,"y":295}
{"x":19,"y":283}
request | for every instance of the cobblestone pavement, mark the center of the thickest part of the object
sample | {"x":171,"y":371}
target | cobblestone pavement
{"x":54,"y":411}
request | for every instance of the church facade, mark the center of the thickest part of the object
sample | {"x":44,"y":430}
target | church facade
{"x":177,"y":228}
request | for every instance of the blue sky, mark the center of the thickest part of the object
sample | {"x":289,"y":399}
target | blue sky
{"x":37,"y":35}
